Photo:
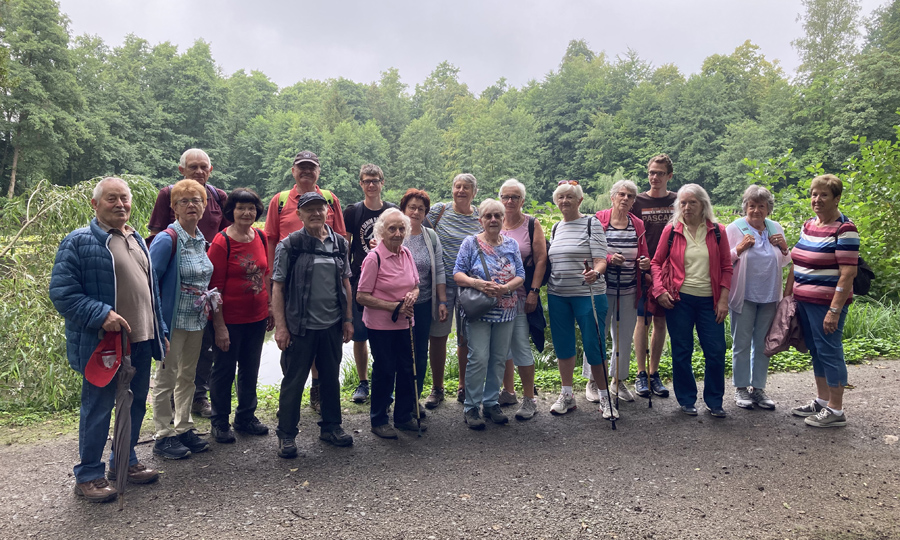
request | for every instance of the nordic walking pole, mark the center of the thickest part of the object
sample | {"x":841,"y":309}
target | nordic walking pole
{"x":647,"y":330}
{"x":612,"y":417}
{"x":616,"y":337}
{"x":412,"y":347}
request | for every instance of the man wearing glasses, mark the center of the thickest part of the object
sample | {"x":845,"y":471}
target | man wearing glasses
{"x":195,"y":165}
{"x":655,"y":207}
{"x":360,"y":220}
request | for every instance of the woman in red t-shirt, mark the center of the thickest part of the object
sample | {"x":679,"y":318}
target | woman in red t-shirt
{"x":241,"y":274}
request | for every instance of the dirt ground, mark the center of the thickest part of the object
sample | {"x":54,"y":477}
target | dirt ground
{"x":661,"y":475}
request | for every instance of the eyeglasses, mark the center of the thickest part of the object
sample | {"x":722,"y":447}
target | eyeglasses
{"x":196,"y":201}
{"x":370,"y":182}
{"x":495,"y":215}
{"x":657,"y":173}
{"x":570,"y":182}
{"x":514,"y":198}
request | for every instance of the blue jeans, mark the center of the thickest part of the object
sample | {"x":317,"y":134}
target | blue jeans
{"x":749,"y":362}
{"x":421,"y":331}
{"x":564,"y":312}
{"x":689,"y":312}
{"x":488,"y":347}
{"x":827,"y":350}
{"x":96,"y":410}
{"x":391,"y":373}
{"x":520,"y":342}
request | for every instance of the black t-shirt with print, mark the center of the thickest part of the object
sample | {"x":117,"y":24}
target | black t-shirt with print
{"x":360,"y":223}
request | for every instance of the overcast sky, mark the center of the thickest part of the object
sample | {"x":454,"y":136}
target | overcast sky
{"x":487,"y":39}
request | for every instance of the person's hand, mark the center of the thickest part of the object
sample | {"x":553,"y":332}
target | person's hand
{"x":373,"y":243}
{"x":721,"y":309}
{"x":617,"y":260}
{"x":348,"y":331}
{"x":746,"y":243}
{"x":223,"y":340}
{"x":665,"y":300}
{"x":270,"y":322}
{"x":831,"y":322}
{"x":493,"y":289}
{"x":442,"y":312}
{"x":531,"y":301}
{"x":644,"y":263}
{"x":166,"y":341}
{"x":778,"y":241}
{"x":590,"y":276}
{"x":411,"y":297}
{"x":406,"y":310}
{"x":115,"y":322}
{"x":283,"y":337}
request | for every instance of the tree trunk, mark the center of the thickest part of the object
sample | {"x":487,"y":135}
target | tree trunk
{"x":12,"y":176}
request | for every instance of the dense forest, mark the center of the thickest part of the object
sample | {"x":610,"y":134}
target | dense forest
{"x":75,"y":107}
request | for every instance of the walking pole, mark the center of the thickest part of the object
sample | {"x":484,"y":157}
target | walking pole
{"x":616,"y":337}
{"x":412,"y":347}
{"x":647,"y":356}
{"x":612,"y":417}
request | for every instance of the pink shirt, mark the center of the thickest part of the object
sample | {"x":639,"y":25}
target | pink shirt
{"x":396,"y":276}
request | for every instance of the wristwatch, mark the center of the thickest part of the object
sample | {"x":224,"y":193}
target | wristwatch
{"x":833,"y":310}
{"x":535,"y":290}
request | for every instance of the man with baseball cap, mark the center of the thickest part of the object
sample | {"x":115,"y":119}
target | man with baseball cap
{"x":311,"y":305}
{"x":282,"y":220}
{"x":102,"y":281}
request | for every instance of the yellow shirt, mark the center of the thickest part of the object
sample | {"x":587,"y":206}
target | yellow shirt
{"x":696,"y":263}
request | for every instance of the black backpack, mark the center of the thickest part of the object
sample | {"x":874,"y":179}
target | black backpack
{"x":528,"y":263}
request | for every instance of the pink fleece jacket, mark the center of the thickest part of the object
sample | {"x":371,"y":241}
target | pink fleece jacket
{"x":720,"y":269}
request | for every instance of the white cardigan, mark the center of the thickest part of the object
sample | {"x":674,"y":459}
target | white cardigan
{"x":739,"y":281}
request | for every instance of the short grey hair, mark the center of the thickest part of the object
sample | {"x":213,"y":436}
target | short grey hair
{"x":757,"y":194}
{"x":573,"y":189}
{"x":98,"y":189}
{"x":191,"y":152}
{"x":488,"y":205}
{"x":379,"y":224}
{"x":627,"y":184}
{"x":697,"y":191}
{"x":466,"y":177}
{"x":513,"y":183}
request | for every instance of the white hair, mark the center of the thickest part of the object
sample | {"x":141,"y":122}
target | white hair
{"x":379,"y":224}
{"x":467,"y":178}
{"x":191,"y":152}
{"x":98,"y":189}
{"x":697,"y":191}
{"x":573,"y":189}
{"x":490,"y":204}
{"x":627,"y":184}
{"x":513,"y":183}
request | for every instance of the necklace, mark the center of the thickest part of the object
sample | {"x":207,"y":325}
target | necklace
{"x":517,"y":225}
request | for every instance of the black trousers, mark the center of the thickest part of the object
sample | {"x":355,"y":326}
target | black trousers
{"x":208,"y":351}
{"x":323,"y":347}
{"x":243,"y":355}
{"x":391,"y":373}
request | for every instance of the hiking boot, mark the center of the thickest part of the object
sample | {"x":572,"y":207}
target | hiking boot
{"x":287,"y":448}
{"x":461,"y":394}
{"x":527,"y":409}
{"x":137,"y":474}
{"x":434,"y":398}
{"x":422,"y":412}
{"x":411,"y":425}
{"x":314,"y":403}
{"x":223,"y":434}
{"x":507,"y":398}
{"x":193,"y":443}
{"x":717,"y":412}
{"x":608,"y":409}
{"x":361,"y":394}
{"x":827,"y":418}
{"x":591,"y":392}
{"x":564,"y":403}
{"x":171,"y":448}
{"x":762,"y":399}
{"x":641,"y":384}
{"x":623,"y":392}
{"x":96,"y":491}
{"x":657,"y":386}
{"x":742,"y":398}
{"x":336,"y":436}
{"x":253,"y":427}
{"x":495,"y":414}
{"x":810,"y":409}
{"x":473,"y":419}
{"x":385,"y":431}
{"x":202,"y":407}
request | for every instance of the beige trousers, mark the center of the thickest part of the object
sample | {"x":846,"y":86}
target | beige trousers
{"x":177,"y":376}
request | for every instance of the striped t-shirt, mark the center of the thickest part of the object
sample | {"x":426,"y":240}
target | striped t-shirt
{"x":452,"y":228}
{"x":568,"y":250}
{"x":817,"y":257}
{"x":624,"y":241}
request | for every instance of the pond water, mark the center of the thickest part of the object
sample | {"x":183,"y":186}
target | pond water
{"x":270,"y":362}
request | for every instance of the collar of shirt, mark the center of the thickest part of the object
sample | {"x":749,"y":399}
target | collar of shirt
{"x":185,"y":238}
{"x":385,"y":252}
{"x":111,"y":230}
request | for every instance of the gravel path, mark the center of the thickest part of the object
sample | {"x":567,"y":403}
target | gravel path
{"x":661,"y":475}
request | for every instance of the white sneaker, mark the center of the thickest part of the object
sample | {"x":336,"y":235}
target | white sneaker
{"x":762,"y":399}
{"x":623,"y":392}
{"x":591,"y":392}
{"x":742,"y":398}
{"x":608,"y":409}
{"x":563,"y":404}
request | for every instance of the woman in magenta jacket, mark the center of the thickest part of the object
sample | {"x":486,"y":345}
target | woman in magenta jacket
{"x":691,"y":278}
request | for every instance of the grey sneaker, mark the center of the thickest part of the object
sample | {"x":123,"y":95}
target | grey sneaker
{"x":810,"y":409}
{"x":385,"y":431}
{"x":591,"y":392}
{"x":608,"y":409}
{"x":742,"y":398}
{"x":434,"y":398}
{"x":473,"y":419}
{"x":527,"y":410}
{"x":361,"y":394}
{"x":563,"y":404}
{"x":761,"y":399}
{"x":495,"y":414}
{"x":827,"y":418}
{"x":507,"y":398}
{"x":623,"y":392}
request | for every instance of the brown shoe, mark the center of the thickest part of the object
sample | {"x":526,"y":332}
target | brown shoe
{"x":385,"y":431}
{"x":97,"y":490}
{"x":314,"y":403}
{"x":137,"y":474}
{"x":202,"y":407}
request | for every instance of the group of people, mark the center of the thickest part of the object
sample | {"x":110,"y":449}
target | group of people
{"x":392,"y":278}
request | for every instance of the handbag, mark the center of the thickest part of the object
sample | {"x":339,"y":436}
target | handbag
{"x":476,"y":304}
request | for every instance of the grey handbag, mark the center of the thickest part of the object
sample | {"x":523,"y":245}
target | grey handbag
{"x":476,"y":304}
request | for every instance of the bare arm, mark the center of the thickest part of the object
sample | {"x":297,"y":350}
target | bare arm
{"x":282,"y":335}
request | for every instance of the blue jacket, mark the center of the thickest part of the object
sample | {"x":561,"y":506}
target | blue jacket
{"x":166,"y":266}
{"x":83,"y":290}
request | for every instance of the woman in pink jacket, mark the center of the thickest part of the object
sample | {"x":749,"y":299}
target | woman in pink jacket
{"x":691,"y":278}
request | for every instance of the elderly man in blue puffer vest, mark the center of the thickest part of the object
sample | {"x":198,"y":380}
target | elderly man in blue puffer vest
{"x":102,"y":281}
